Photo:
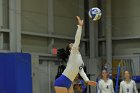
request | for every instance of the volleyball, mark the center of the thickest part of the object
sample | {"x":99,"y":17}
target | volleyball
{"x":95,"y":13}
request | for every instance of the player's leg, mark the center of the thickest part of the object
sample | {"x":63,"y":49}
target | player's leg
{"x":70,"y":90}
{"x":61,"y":90}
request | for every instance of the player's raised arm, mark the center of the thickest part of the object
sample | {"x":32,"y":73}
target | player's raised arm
{"x":79,"y":32}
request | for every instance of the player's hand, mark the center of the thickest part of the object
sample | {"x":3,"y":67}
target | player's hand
{"x":80,"y":22}
{"x":91,"y":83}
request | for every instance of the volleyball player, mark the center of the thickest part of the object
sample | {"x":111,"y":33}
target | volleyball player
{"x":128,"y":85}
{"x":105,"y":84}
{"x":75,"y":65}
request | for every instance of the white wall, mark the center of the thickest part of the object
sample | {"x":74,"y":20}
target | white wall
{"x":125,"y":17}
{"x":126,"y":23}
{"x":34,"y":15}
{"x":34,"y":18}
{"x":64,"y":16}
{"x":126,"y":47}
{"x":6,"y":14}
{"x":34,"y":44}
{"x":4,"y":24}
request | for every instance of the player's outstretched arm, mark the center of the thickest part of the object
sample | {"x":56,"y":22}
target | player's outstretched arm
{"x":79,"y":32}
{"x":84,"y":76}
{"x":91,"y":83}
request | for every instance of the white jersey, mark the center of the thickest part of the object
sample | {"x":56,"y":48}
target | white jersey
{"x":105,"y":86}
{"x":75,"y":63}
{"x":128,"y":87}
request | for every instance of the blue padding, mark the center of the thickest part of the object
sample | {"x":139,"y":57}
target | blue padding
{"x":15,"y":73}
{"x":136,"y":79}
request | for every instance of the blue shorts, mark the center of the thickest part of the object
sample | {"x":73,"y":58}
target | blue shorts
{"x":63,"y":81}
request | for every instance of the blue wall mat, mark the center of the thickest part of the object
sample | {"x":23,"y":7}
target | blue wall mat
{"x":15,"y":73}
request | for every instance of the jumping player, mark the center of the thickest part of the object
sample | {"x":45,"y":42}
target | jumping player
{"x":74,"y":66}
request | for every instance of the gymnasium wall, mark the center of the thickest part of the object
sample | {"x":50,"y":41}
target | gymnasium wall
{"x":34,"y":19}
{"x":125,"y":24}
{"x":5,"y":23}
